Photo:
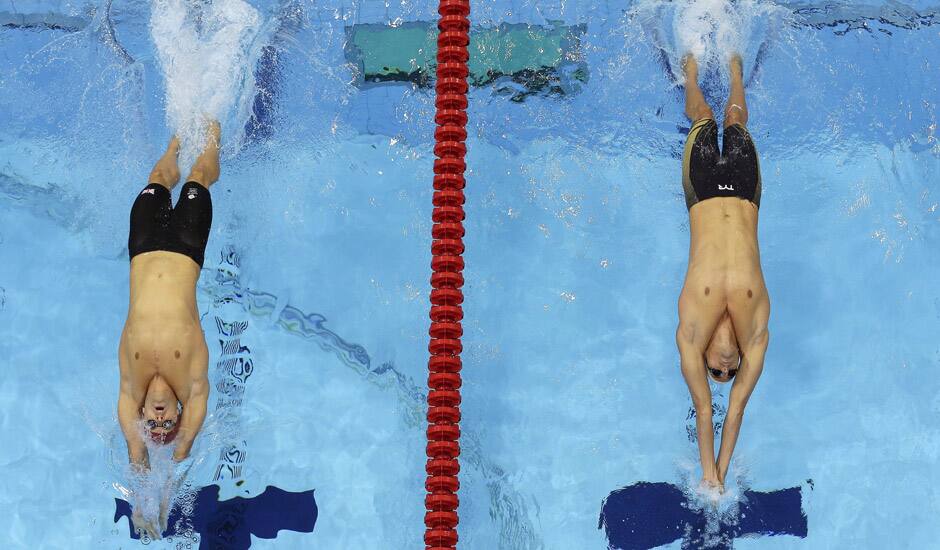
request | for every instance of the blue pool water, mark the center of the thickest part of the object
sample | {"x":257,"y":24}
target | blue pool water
{"x":314,"y":293}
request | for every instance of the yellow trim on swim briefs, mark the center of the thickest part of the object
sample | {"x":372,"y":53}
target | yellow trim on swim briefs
{"x":687,"y":154}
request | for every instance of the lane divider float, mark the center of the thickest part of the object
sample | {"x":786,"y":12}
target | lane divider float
{"x":443,"y":433}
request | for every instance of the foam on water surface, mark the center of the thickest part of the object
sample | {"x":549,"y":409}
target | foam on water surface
{"x":204,"y":51}
{"x":711,"y":30}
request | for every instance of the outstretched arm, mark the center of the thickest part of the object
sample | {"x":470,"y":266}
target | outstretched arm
{"x":693,"y":370}
{"x":194,"y":413}
{"x":744,"y":382}
{"x":128,"y":417}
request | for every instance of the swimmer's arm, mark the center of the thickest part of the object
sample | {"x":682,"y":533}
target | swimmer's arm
{"x":744,"y":382}
{"x":693,"y":370}
{"x":128,"y":417}
{"x":194,"y":413}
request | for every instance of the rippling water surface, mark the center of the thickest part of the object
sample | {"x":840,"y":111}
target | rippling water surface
{"x":313,"y":297}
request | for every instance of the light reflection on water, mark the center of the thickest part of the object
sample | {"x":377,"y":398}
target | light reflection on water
{"x":550,"y":166}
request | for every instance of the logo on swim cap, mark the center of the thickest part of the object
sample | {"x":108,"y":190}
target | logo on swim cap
{"x":725,"y":187}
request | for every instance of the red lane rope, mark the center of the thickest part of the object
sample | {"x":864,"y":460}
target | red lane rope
{"x":446,"y":314}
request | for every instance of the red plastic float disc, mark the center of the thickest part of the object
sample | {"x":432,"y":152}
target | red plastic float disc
{"x":449,"y":166}
{"x":438,"y":501}
{"x":443,"y":449}
{"x":443,"y":432}
{"x":454,"y":7}
{"x":451,"y":86}
{"x":450,"y":132}
{"x":447,"y":263}
{"x":453,"y":38}
{"x":445,"y":331}
{"x":446,"y":314}
{"x":444,"y":363}
{"x":448,"y":230}
{"x":453,"y":103}
{"x":454,"y":23}
{"x":452,"y":70}
{"x":442,"y":484}
{"x":451,"y":116}
{"x":447,"y":246}
{"x":449,"y":182}
{"x":450,"y":149}
{"x":448,"y":214}
{"x":452,"y":54}
{"x":446,"y":538}
{"x":447,"y":197}
{"x":442,"y":467}
{"x":445,"y":346}
{"x":446,"y":296}
{"x":443,"y":415}
{"x":448,"y":381}
{"x":439,"y":398}
{"x":441,"y":520}
{"x":446,"y":279}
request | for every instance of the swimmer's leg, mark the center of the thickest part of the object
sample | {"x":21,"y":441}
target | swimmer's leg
{"x":696,"y":108}
{"x":736,"y":110}
{"x":205,"y":170}
{"x":166,"y":172}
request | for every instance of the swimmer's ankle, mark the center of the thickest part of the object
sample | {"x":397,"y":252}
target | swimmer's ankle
{"x":213,"y":133}
{"x":690,"y":68}
{"x":736,"y":66}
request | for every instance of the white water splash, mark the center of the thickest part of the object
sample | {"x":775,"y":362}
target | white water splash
{"x":204,"y":50}
{"x":718,"y":507}
{"x":712,"y":30}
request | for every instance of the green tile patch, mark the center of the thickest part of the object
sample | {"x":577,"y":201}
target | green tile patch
{"x":520,"y":59}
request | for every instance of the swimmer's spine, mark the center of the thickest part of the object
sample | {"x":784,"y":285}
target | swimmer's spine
{"x":443,"y":432}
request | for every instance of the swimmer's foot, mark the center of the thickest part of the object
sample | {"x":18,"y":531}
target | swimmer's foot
{"x":213,"y":133}
{"x":167,"y":172}
{"x":690,"y":68}
{"x":736,"y":66}
{"x":696,"y":108}
{"x":205,"y":170}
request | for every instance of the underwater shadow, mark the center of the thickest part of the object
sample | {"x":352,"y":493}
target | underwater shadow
{"x":646,"y":515}
{"x":229,"y":524}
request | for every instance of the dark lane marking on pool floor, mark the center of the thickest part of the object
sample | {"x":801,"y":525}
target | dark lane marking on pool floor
{"x":646,"y":515}
{"x":229,"y":524}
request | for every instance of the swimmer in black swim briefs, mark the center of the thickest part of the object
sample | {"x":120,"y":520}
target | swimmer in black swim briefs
{"x":724,"y":307}
{"x":708,"y":173}
{"x":163,"y":356}
{"x":734,"y":171}
{"x":157,"y":225}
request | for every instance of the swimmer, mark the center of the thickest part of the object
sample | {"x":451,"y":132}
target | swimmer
{"x":724,"y":306}
{"x":163,"y":355}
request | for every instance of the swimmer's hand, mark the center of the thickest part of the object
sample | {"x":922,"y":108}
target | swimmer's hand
{"x":145,"y":527}
{"x":712,"y":484}
{"x":181,"y":452}
{"x":164,"y":515}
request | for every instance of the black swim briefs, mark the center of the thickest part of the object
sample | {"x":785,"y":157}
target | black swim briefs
{"x":157,"y":225}
{"x":708,"y":173}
